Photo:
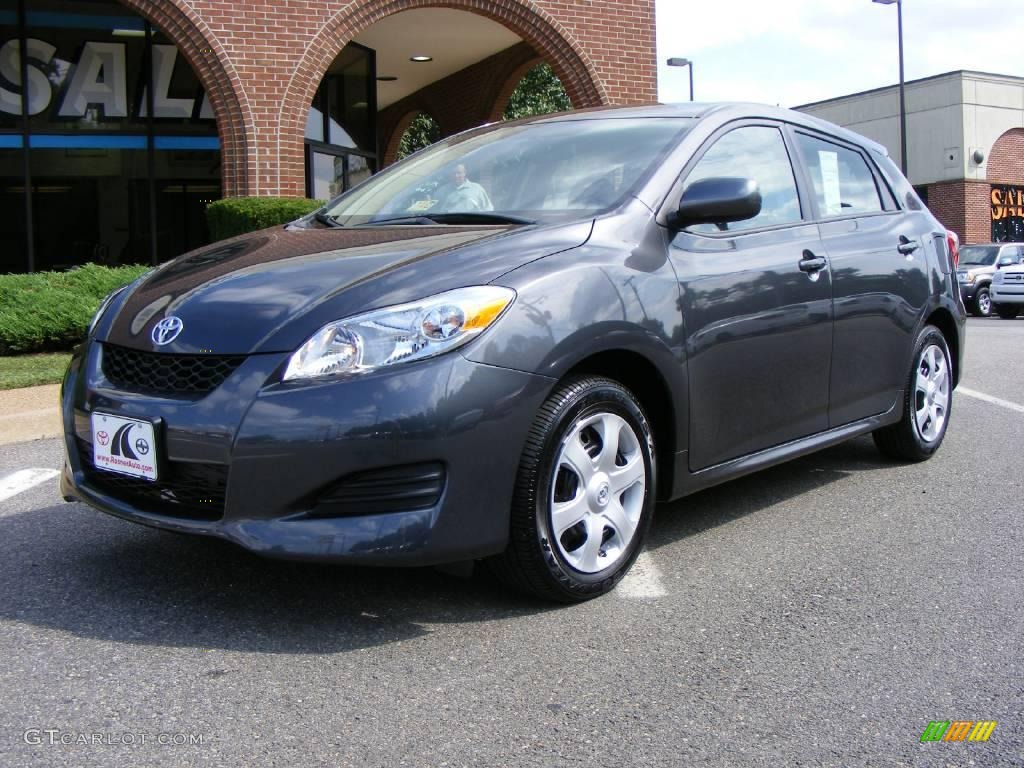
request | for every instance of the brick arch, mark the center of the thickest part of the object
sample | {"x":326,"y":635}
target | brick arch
{"x":397,"y":132}
{"x":511,"y":83}
{"x":212,"y":66}
{"x":536,"y":27}
{"x":1006,"y":160}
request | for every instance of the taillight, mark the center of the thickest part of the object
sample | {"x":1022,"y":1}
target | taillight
{"x":954,"y":247}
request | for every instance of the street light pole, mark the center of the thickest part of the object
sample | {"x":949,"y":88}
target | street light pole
{"x":676,"y":62}
{"x":903,"y":97}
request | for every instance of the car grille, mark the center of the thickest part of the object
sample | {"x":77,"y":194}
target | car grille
{"x":185,"y":489}
{"x":133,"y":370}
{"x":1013,"y":277}
{"x":380,"y":491}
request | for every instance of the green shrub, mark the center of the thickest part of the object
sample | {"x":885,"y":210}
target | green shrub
{"x":51,"y":310}
{"x":238,"y":215}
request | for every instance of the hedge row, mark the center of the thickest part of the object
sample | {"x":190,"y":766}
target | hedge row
{"x":50,"y":311}
{"x":238,"y":215}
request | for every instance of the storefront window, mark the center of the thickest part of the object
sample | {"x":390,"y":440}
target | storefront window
{"x":13,"y":253}
{"x":116,"y":143}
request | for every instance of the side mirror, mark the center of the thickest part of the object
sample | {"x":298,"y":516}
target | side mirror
{"x":718,"y":201}
{"x":1005,"y":261}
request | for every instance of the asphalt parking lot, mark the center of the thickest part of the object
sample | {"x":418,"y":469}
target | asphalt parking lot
{"x":820,"y":613}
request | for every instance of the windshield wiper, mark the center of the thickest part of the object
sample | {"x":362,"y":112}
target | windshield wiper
{"x":483,"y":217}
{"x":454,"y":217}
{"x":397,"y":220}
{"x":329,"y":221}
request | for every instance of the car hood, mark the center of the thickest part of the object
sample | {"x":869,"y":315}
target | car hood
{"x":269,"y":291}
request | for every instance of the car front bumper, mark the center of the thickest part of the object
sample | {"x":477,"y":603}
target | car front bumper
{"x":413,"y":465}
{"x":1007,"y":294}
{"x":967,"y":291}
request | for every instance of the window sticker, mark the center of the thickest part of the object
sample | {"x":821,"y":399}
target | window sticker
{"x":829,"y":163}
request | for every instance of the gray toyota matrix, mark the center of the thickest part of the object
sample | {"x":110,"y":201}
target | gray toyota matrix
{"x":510,"y":345}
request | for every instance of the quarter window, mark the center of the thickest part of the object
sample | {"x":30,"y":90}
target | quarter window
{"x":758,"y":153}
{"x":843,"y":182}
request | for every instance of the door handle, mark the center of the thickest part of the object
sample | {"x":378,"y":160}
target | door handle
{"x":906,"y":246}
{"x":811,"y":263}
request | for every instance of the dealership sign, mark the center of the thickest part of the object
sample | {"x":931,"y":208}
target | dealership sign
{"x":97,"y":79}
{"x":1007,"y":213}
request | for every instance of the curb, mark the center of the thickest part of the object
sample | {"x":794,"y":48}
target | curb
{"x":31,"y":413}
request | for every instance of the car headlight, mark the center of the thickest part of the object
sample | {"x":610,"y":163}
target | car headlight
{"x":103,"y":308}
{"x":970,"y":277}
{"x":399,"y":334}
{"x":997,"y":277}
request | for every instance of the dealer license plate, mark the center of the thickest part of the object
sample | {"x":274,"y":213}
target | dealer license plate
{"x":126,"y":446}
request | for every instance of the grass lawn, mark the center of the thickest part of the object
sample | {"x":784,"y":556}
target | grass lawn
{"x":29,"y":370}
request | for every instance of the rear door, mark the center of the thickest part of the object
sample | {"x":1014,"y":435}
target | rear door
{"x":879,"y":277}
{"x":756,"y":306}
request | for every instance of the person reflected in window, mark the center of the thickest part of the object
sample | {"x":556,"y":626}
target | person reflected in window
{"x":466,"y":195}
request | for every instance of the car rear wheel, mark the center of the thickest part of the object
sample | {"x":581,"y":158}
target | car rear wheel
{"x":926,"y":404}
{"x":982,"y":303}
{"x":1007,"y":311}
{"x":584,"y":495}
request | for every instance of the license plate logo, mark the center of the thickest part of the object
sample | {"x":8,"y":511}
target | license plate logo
{"x":126,"y":446}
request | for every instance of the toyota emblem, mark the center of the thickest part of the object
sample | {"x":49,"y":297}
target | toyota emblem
{"x":167,"y":330}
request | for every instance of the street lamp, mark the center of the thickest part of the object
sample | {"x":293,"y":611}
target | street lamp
{"x":903,"y":100}
{"x":674,"y":62}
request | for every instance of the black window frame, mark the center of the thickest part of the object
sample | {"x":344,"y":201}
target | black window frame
{"x":337,"y":150}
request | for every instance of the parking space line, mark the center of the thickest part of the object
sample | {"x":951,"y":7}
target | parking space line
{"x":24,"y":479}
{"x":643,"y":580}
{"x":990,"y":399}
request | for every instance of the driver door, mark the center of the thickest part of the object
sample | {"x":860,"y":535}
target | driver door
{"x":756,"y":307}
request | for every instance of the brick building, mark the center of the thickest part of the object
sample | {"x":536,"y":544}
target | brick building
{"x":965,"y":140}
{"x":124,"y":118}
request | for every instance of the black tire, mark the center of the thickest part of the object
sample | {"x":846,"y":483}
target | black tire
{"x":982,"y":305}
{"x":905,"y":440}
{"x":534,"y":561}
{"x":1007,"y":311}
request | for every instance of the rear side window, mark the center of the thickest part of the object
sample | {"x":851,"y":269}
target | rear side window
{"x":843,"y":182}
{"x":759,"y":153}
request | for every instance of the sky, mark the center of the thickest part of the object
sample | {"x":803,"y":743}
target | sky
{"x":792,"y":52}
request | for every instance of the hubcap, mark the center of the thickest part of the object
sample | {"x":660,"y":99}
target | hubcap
{"x":931,"y":393}
{"x":597,"y":492}
{"x":985,"y":303}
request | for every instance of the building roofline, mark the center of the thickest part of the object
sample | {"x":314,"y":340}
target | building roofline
{"x":919,"y":80}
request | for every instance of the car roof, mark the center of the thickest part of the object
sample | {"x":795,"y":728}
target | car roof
{"x":724,"y":111}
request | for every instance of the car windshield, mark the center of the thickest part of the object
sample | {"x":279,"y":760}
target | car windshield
{"x":978,"y":255}
{"x":517,"y":173}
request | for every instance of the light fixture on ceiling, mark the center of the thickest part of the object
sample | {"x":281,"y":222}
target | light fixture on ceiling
{"x":420,"y":58}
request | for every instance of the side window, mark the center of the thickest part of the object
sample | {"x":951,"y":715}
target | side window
{"x":759,"y":153}
{"x":843,"y":182}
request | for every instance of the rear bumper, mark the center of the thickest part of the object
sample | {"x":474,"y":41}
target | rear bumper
{"x":285,"y":451}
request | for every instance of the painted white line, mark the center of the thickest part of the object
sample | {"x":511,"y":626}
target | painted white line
{"x":643,"y":580}
{"x":24,"y":479}
{"x":990,"y":399}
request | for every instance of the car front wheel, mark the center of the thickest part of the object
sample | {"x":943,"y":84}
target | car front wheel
{"x":982,"y":303}
{"x":1007,"y":311}
{"x":584,"y":495}
{"x":926,"y":403}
